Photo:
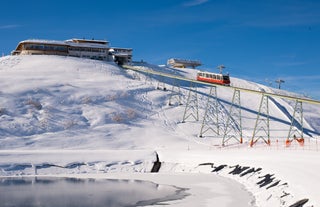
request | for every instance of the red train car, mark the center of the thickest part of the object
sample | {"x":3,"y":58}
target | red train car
{"x":215,"y":78}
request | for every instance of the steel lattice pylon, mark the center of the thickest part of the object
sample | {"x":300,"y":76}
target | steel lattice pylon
{"x":262,"y":127}
{"x":233,"y":128}
{"x":176,"y":95}
{"x":148,"y":79}
{"x":296,"y":127}
{"x":211,"y":116}
{"x":191,"y":109}
{"x":161,"y":84}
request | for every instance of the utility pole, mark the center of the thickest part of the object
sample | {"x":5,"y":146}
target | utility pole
{"x":279,"y":81}
{"x":221,"y":67}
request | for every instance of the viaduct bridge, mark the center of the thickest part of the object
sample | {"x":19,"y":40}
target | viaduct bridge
{"x":233,"y":125}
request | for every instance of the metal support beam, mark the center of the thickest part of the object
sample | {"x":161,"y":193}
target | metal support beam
{"x":233,"y":128}
{"x":150,"y":71}
{"x":148,"y":79}
{"x":191,"y":109}
{"x":161,"y":84}
{"x":211,"y":121}
{"x":176,"y":95}
{"x":262,"y":128}
{"x":296,"y":127}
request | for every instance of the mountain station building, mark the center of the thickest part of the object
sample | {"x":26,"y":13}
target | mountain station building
{"x":83,"y":48}
{"x":182,"y":63}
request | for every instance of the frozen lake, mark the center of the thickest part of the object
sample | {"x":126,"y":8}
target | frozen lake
{"x":50,"y":191}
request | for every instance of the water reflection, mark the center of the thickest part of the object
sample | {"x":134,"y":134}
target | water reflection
{"x":69,"y":192}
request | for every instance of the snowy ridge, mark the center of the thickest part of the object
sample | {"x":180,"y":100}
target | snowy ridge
{"x":64,"y":115}
{"x":21,"y":162}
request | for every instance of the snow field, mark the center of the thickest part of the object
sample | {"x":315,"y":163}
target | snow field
{"x":63,"y":115}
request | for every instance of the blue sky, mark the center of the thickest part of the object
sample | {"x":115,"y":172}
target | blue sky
{"x":256,"y":40}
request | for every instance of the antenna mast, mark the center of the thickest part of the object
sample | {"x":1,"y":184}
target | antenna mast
{"x":221,"y":67}
{"x":279,"y":81}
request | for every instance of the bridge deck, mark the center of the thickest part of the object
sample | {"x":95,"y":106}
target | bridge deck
{"x":149,"y":71}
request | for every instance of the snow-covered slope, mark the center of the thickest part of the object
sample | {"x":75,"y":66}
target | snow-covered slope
{"x":84,"y":109}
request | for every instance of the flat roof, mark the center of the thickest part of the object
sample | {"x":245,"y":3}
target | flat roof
{"x":90,"y":43}
{"x":56,"y":42}
{"x":103,"y":42}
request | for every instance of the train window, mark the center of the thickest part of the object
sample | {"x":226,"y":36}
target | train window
{"x":214,"y":77}
{"x":226,"y":77}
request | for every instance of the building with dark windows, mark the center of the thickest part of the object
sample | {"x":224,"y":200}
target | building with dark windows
{"x":182,"y":63}
{"x":83,"y":48}
{"x":121,"y":55}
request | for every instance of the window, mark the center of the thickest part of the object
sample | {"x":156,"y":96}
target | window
{"x":226,"y":78}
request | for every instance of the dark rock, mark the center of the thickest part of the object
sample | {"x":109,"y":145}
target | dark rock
{"x":251,"y":170}
{"x":267,"y":179}
{"x":156,"y":165}
{"x":207,"y":163}
{"x":220,"y":167}
{"x":300,"y":203}
{"x":238,"y":169}
{"x":274,"y":184}
{"x":284,"y":194}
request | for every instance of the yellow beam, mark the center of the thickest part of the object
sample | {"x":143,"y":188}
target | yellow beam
{"x":140,"y":69}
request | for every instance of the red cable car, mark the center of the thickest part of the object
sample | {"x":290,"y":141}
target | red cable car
{"x":215,"y":78}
